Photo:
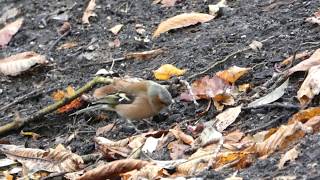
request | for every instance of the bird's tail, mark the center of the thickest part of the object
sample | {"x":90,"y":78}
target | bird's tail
{"x":94,"y":108}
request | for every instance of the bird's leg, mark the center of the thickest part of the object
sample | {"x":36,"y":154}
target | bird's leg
{"x":135,"y":127}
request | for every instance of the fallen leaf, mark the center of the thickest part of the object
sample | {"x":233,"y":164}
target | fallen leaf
{"x":227,"y":117}
{"x":146,"y":172}
{"x":59,"y":95}
{"x":285,"y":178}
{"x":67,"y":45}
{"x":314,"y":19}
{"x":104,"y":129}
{"x":18,"y":63}
{"x":232,"y":74}
{"x":9,"y":31}
{"x":182,"y":20}
{"x":242,"y":158}
{"x":274,"y":142}
{"x":255,"y":45}
{"x":310,"y":86}
{"x":165,"y":3}
{"x":209,"y":136}
{"x":208,"y":88}
{"x":304,"y":115}
{"x":298,"y":56}
{"x":291,"y":155}
{"x":272,"y":96}
{"x":113,"y":169}
{"x":166,"y":71}
{"x":65,"y":28}
{"x":215,"y":9}
{"x":150,"y":145}
{"x":113,"y":150}
{"x":145,"y":55}
{"x":182,"y":136}
{"x":89,"y":12}
{"x":53,"y":160}
{"x":33,"y":135}
{"x":244,"y":87}
{"x":116,"y":29}
{"x":8,"y":14}
{"x":305,"y":65}
{"x":177,"y":150}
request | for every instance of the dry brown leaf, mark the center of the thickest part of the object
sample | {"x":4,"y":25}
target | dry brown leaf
{"x":209,"y":136}
{"x":281,"y":136}
{"x":167,"y":71}
{"x":65,"y":28}
{"x":298,"y":56}
{"x":33,"y":135}
{"x":304,"y":115}
{"x":244,"y":87}
{"x":227,"y":117}
{"x":18,"y":63}
{"x":146,"y":172}
{"x":234,"y":136}
{"x":89,"y":12}
{"x":314,"y":123}
{"x":209,"y":88}
{"x":232,"y":74}
{"x":182,"y":136}
{"x":113,"y":150}
{"x":314,"y":19}
{"x":241,"y":159}
{"x":67,"y":45}
{"x":9,"y":31}
{"x":52,"y":160}
{"x":104,"y":129}
{"x":305,"y":65}
{"x":145,"y":55}
{"x":291,"y":155}
{"x":310,"y":86}
{"x":116,"y":29}
{"x":182,"y":20}
{"x":113,"y":169}
{"x":177,"y":150}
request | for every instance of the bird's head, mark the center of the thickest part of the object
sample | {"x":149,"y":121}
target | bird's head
{"x":160,"y":93}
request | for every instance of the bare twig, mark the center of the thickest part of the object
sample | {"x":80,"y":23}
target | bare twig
{"x":20,"y":122}
{"x":22,"y":98}
{"x":274,"y":105}
{"x":105,"y":62}
{"x":58,"y":40}
{"x":225,"y":59}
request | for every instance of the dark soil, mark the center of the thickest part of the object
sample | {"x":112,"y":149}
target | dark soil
{"x":191,"y":48}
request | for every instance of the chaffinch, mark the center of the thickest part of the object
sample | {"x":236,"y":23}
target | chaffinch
{"x":131,"y":98}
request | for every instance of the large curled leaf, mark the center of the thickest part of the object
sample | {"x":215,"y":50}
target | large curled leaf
{"x":182,"y":20}
{"x":16,"y":64}
{"x":310,"y":86}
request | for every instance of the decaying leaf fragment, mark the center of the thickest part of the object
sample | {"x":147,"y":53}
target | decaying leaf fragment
{"x":310,"y":86}
{"x":89,"y":12}
{"x":53,"y":160}
{"x":113,"y":150}
{"x":227,"y":117}
{"x":116,"y":29}
{"x":232,"y":74}
{"x":314,"y":19}
{"x":165,"y":3}
{"x":305,"y":65}
{"x":145,"y":55}
{"x":166,"y":71}
{"x":59,"y":95}
{"x":18,"y":63}
{"x":182,"y":20}
{"x":272,"y":96}
{"x":9,"y":31}
{"x":182,"y":136}
{"x":214,"y":9}
{"x":291,"y":155}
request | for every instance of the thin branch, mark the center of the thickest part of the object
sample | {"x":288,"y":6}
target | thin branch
{"x":20,"y":122}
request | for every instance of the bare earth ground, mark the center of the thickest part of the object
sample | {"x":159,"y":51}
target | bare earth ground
{"x":192,"y":48}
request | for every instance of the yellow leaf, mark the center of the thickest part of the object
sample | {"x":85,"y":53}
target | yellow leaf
{"x":166,"y":71}
{"x":232,"y":74}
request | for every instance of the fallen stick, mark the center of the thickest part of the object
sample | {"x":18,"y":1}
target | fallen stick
{"x":20,"y":122}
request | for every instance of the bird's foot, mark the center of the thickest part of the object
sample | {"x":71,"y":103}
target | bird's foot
{"x":135,"y":127}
